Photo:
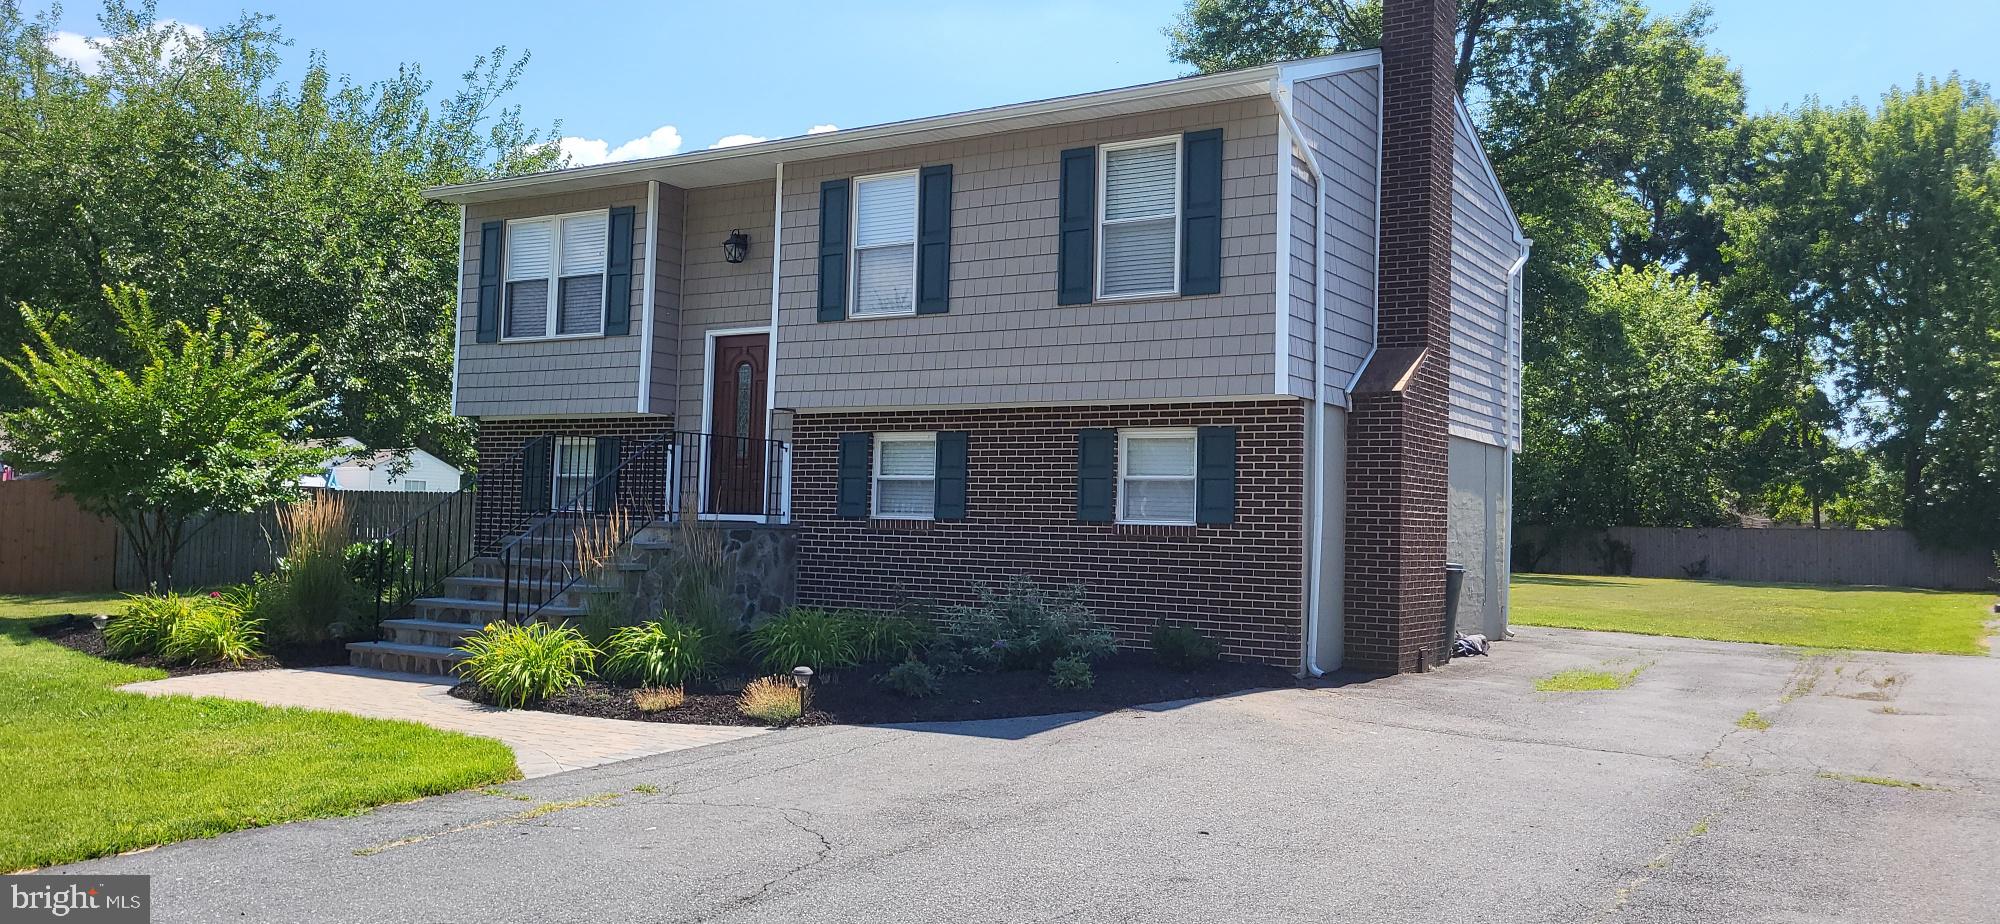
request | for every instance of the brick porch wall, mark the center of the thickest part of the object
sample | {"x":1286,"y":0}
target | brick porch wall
{"x":1238,"y":583}
{"x":499,"y":444}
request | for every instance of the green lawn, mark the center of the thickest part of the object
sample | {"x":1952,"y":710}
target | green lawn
{"x":1873,"y":618}
{"x":87,"y":771}
{"x":35,"y":606}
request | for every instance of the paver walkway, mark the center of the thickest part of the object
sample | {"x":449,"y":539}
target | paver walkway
{"x":543,"y":742}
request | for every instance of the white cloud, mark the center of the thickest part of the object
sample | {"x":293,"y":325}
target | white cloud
{"x":87,"y":51}
{"x":80,"y":50}
{"x":583,"y":152}
{"x":822,"y":129}
{"x":730,"y":141}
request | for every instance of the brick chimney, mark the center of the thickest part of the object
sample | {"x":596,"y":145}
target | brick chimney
{"x":1397,"y":464}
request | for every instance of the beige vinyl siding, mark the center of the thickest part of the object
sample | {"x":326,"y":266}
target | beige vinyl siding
{"x":1482,"y":250}
{"x":664,"y":385}
{"x":715,"y":293}
{"x":585,"y":375}
{"x":1304,"y":277}
{"x":1005,"y":340}
{"x":1337,"y":116}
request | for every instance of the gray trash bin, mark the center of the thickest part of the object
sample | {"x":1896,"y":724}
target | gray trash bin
{"x":1454,"y":578}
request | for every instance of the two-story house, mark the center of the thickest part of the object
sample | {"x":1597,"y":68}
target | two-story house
{"x":1239,"y":351}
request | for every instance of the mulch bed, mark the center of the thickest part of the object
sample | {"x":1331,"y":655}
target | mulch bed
{"x":77,"y":634}
{"x":850,"y":698}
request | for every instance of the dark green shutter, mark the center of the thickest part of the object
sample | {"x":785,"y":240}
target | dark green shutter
{"x":1096,"y":472}
{"x":1215,"y":475}
{"x":951,"y":458}
{"x":833,"y":250}
{"x":1076,"y":251}
{"x":607,"y":480}
{"x":491,"y":239}
{"x":537,"y":456}
{"x":856,"y":451}
{"x":618,"y":275}
{"x":934,"y":240}
{"x":1201,"y":213}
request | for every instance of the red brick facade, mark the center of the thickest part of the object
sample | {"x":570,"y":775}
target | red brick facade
{"x":1397,"y":465}
{"x":1240,"y":583}
{"x":499,"y":509}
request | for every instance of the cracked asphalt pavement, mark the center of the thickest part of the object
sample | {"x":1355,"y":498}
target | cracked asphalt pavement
{"x":1462,"y":795}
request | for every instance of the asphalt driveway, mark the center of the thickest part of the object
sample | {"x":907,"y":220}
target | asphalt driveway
{"x":1464,"y":795}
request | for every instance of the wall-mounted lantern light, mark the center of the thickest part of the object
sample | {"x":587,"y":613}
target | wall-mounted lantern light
{"x":736,"y":247}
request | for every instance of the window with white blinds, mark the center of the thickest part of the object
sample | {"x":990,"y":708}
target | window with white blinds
{"x":1139,"y":220}
{"x":555,"y":275}
{"x":885,"y":245}
{"x":905,"y":476}
{"x":1156,"y":481}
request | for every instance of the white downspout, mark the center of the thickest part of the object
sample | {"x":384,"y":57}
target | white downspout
{"x":1281,"y":95}
{"x":1519,"y":288}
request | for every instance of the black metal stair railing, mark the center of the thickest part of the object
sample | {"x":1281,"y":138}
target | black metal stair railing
{"x":416,"y":557}
{"x":590,"y":524}
{"x":663,"y":479}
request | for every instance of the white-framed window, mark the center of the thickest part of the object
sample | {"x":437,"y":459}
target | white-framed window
{"x":1156,"y":476}
{"x":555,"y":275}
{"x":576,"y":469}
{"x":905,"y":476}
{"x":410,"y":484}
{"x":1139,"y":218}
{"x":885,"y":245}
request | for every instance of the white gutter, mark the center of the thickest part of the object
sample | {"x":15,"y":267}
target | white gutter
{"x":1281,"y":94}
{"x":646,"y":301}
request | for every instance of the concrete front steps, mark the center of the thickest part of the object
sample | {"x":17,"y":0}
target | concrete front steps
{"x":424,"y":636}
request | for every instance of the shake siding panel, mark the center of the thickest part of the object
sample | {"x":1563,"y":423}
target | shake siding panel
{"x":1337,"y":116}
{"x":593,"y":375}
{"x":1005,"y":340}
{"x":667,"y":300}
{"x":717,"y":294}
{"x":1304,"y":272}
{"x":1482,"y":248}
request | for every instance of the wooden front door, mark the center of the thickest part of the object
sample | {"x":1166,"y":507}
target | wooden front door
{"x":736,"y":422}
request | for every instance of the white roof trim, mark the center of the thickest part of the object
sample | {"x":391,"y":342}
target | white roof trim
{"x":754,"y":161}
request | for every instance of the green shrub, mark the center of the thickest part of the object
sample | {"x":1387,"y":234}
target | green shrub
{"x":148,"y":620}
{"x":945,"y":659}
{"x":523,"y":665}
{"x":218,"y":631}
{"x":1027,"y":627}
{"x":882,"y":637}
{"x":1184,"y":649}
{"x":820,"y":639}
{"x":912,"y":678}
{"x":397,"y":564}
{"x":1071,"y":673}
{"x":604,"y":613}
{"x":659,"y":654}
{"x":771,"y":700}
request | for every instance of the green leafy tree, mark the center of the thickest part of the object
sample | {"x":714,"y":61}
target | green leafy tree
{"x":1866,"y":244}
{"x":181,"y":166}
{"x":1627,"y":417}
{"x":207,"y":418}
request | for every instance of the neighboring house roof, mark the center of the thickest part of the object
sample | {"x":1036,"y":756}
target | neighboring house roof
{"x":359,"y":455}
{"x":757,"y":161}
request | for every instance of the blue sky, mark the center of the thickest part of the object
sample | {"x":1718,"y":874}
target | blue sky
{"x":653,"y":78}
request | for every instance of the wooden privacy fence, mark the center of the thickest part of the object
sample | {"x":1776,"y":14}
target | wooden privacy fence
{"x":1804,"y":556}
{"x":229,"y":548}
{"x":49,"y":545}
